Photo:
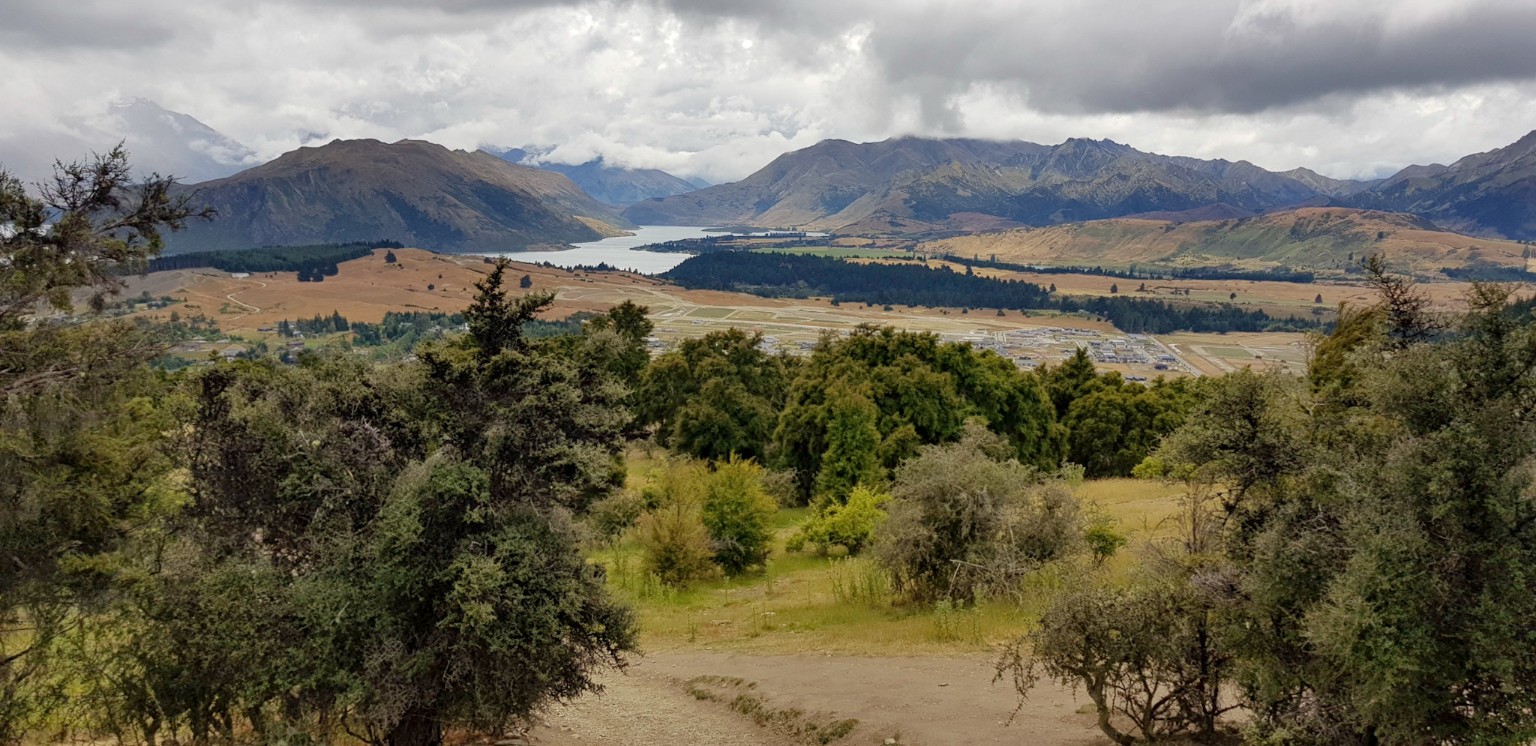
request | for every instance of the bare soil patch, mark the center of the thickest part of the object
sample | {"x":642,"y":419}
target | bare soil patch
{"x":927,"y":700}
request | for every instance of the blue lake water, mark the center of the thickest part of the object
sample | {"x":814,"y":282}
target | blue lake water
{"x":619,"y":252}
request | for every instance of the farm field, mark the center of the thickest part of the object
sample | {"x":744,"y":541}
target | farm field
{"x":365,"y":289}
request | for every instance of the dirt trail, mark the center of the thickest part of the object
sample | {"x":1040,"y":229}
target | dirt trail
{"x":914,"y":700}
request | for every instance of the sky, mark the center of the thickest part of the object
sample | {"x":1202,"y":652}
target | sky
{"x":718,"y":88}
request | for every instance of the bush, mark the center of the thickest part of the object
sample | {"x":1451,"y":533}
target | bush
{"x":736,"y":512}
{"x":1102,"y":539}
{"x":677,"y":546}
{"x":963,"y":521}
{"x":1145,"y":656}
{"x":850,"y":526}
{"x":611,"y":516}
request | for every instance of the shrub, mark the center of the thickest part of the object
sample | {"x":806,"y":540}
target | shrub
{"x":736,"y":511}
{"x":677,"y":546}
{"x":963,"y":521}
{"x":611,"y":516}
{"x":1145,"y":656}
{"x":850,"y":526}
{"x":1102,"y":539}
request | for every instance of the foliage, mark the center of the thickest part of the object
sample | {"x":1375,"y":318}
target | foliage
{"x":736,"y":511}
{"x":607,"y":519}
{"x":678,"y":548}
{"x":851,"y":524}
{"x":800,"y":275}
{"x":81,"y":417}
{"x":543,"y":417}
{"x":922,"y":391}
{"x":714,"y":396}
{"x":853,"y":442}
{"x":1143,"y":656}
{"x":965,"y":520}
{"x":305,"y":259}
{"x":1101,"y":538}
{"x":347,"y":562}
{"x":1376,"y":527}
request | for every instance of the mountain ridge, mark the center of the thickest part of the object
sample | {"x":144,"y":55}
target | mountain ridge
{"x":916,"y":185}
{"x":411,"y":191}
{"x":837,"y":183}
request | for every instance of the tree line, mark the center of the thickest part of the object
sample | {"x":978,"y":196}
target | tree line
{"x":1143,"y":272}
{"x":308,"y":260}
{"x":789,"y":275}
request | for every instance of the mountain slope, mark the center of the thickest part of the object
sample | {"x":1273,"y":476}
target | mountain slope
{"x":415,"y":192}
{"x":610,"y":185}
{"x":1315,"y":238}
{"x":1492,"y":193}
{"x":916,"y":184}
{"x":157,"y":140}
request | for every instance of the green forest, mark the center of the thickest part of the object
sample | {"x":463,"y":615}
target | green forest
{"x":303,"y":259}
{"x":400,"y":553}
{"x":912,"y":284}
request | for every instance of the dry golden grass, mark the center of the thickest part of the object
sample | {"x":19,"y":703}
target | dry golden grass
{"x":1315,"y":237}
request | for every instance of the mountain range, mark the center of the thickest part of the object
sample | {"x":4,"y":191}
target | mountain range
{"x":610,"y":185}
{"x":918,"y":185}
{"x":415,"y":192}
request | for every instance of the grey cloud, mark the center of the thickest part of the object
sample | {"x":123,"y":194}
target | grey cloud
{"x":719,"y":87}
{"x":87,"y":24}
{"x":1170,"y":56}
{"x":1113,"y":56}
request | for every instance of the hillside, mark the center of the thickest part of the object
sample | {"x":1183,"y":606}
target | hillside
{"x":611,"y":185}
{"x":1492,"y":193}
{"x":915,"y":185}
{"x":410,"y":191}
{"x":1319,"y":238}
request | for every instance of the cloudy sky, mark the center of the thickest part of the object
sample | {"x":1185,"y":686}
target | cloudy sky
{"x":716,"y":88}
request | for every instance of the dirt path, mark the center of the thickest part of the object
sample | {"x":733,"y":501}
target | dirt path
{"x":647,"y":707}
{"x":911,"y":700}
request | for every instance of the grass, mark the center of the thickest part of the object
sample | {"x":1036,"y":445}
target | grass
{"x":707,"y":312}
{"x":1229,"y":352}
{"x":803,"y":602}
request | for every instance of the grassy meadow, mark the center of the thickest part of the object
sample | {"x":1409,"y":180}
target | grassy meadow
{"x":805,"y":602}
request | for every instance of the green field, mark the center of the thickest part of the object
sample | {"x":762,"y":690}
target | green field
{"x":1236,"y":353}
{"x":705,"y":312}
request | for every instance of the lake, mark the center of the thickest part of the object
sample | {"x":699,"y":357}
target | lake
{"x":619,"y":252}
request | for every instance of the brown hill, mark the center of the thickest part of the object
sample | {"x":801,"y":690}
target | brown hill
{"x":414,"y":192}
{"x":1315,"y":238}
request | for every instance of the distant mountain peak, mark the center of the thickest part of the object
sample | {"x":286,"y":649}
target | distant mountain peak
{"x":617,"y":186}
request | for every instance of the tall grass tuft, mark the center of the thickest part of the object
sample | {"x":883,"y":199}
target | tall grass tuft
{"x":859,"y":582}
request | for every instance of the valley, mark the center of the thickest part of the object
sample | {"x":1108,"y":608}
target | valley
{"x":247,"y":309}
